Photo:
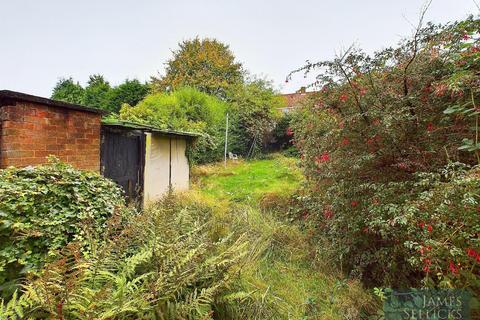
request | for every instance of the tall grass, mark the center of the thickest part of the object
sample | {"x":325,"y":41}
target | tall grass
{"x":165,"y":263}
{"x":197,"y":255}
{"x":287,"y":277}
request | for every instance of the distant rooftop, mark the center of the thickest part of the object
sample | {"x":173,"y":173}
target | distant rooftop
{"x":8,"y":97}
{"x":294,"y":100}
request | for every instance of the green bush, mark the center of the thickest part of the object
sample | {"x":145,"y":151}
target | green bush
{"x":186,"y":109}
{"x":405,"y":234}
{"x":282,"y":135}
{"x":253,"y":110}
{"x":377,"y":127}
{"x":161,"y":264}
{"x":43,"y":208}
{"x":439,"y":227}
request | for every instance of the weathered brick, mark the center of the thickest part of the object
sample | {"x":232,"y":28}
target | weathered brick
{"x":28,"y":126}
{"x":18,"y":153}
{"x":28,"y":146}
{"x":42,"y":113}
{"x":52,"y":147}
{"x":42,"y":154}
{"x":30,"y":132}
{"x":9,"y":124}
{"x":13,"y":131}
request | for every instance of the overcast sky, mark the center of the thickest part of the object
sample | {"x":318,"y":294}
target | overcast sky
{"x":42,"y":41}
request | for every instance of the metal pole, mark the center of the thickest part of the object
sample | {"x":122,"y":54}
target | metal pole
{"x":226,"y":143}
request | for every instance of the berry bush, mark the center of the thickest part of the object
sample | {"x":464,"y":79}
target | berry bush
{"x":389,"y":145}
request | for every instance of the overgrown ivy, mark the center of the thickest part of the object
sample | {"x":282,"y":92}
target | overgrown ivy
{"x":43,"y":208}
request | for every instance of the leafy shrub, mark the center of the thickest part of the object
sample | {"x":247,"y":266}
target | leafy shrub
{"x":377,"y":127}
{"x":163,"y":263}
{"x":282,"y":134}
{"x":43,"y":208}
{"x":442,"y":224}
{"x":291,"y":151}
{"x":186,"y":109}
{"x":253,"y":110}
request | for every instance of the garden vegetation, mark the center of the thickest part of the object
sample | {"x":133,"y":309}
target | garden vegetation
{"x":186,"y":109}
{"x":44,"y":208}
{"x":389,"y":147}
{"x":99,"y":93}
{"x":199,"y":255}
{"x":389,"y":153}
{"x":202,"y":83}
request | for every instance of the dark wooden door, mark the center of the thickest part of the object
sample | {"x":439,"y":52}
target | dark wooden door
{"x":122,"y":159}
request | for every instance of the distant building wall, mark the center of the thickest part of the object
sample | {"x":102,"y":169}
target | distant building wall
{"x":29,"y":132}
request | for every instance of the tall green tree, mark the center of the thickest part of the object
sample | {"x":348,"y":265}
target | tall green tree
{"x":98,"y":93}
{"x":205,"y":64}
{"x":69,"y":91}
{"x":253,"y":113}
{"x":130,"y":92}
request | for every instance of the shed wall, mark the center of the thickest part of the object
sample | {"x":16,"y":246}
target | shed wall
{"x":165,"y":163}
{"x":180,"y":167}
{"x":156,"y":167}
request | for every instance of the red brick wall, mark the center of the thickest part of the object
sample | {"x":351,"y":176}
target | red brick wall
{"x":30,"y":132}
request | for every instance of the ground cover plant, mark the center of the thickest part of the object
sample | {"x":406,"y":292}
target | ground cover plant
{"x":160,"y":264}
{"x":389,"y":149}
{"x":42,"y":209}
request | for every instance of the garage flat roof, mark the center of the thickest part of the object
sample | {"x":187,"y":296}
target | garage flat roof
{"x":148,"y":128}
{"x":8,"y":97}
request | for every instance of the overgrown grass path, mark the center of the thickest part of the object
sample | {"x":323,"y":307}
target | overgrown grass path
{"x":248,"y":181}
{"x":290,"y":279}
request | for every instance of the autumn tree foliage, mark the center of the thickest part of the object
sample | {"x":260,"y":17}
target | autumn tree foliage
{"x":208,"y":66}
{"x":204,"y":64}
{"x":387,"y":145}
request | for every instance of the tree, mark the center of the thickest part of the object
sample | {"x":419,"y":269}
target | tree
{"x":69,"y":91}
{"x":130,"y":92}
{"x":254,"y":112}
{"x":205,"y":64}
{"x":97,"y":93}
